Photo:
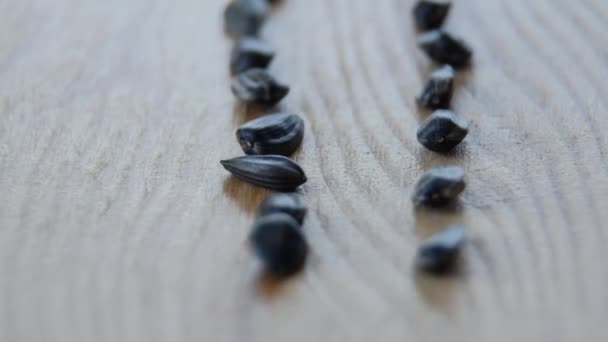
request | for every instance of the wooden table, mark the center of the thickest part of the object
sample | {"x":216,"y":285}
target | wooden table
{"x":117,"y":223}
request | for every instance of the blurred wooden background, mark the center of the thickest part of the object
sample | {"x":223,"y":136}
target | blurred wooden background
{"x":117,"y":222}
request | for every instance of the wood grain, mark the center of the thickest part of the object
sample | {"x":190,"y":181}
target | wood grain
{"x":117,"y":222}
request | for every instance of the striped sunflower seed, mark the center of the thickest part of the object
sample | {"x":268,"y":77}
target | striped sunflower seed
{"x":438,"y":90}
{"x":269,"y":171}
{"x":442,"y":131}
{"x":279,"y":243}
{"x":430,"y":14}
{"x":258,"y":86}
{"x":291,"y":204}
{"x":245,"y":17}
{"x":443,"y":48}
{"x":439,"y":253}
{"x":272,"y":134}
{"x":250,"y":53}
{"x":439,"y":186}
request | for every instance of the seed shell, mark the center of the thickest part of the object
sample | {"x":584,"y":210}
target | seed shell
{"x":250,"y":53}
{"x":438,"y":90}
{"x":442,"y":131}
{"x":443,"y":48}
{"x":439,"y":186}
{"x":272,"y":134}
{"x":287,"y":203}
{"x":439,"y":254}
{"x":245,"y":17}
{"x":430,"y":14}
{"x":258,"y":86}
{"x":270,"y":171}
{"x":277,"y":240}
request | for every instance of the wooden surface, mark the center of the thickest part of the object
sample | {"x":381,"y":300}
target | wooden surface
{"x":117,"y":223}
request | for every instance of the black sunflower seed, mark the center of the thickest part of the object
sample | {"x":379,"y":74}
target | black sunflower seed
{"x":442,"y":48}
{"x":442,"y":131}
{"x":272,"y":134}
{"x":439,"y":186}
{"x":250,"y":53}
{"x":287,"y":203}
{"x":438,"y":90}
{"x":277,"y":240}
{"x":259,"y":87}
{"x":430,"y":14}
{"x":271,"y":171}
{"x":245,"y":17}
{"x":439,"y":254}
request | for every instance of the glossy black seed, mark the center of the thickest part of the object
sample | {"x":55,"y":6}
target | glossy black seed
{"x":245,"y":17}
{"x":271,"y":171}
{"x":259,"y":87}
{"x":250,"y":53}
{"x":442,"y":48}
{"x":442,"y":131}
{"x":439,"y":186}
{"x":291,"y":204}
{"x":277,"y":240}
{"x":430,"y":14}
{"x":439,"y":254}
{"x":438,"y":90}
{"x":272,"y":134}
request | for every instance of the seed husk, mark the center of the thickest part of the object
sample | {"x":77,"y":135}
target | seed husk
{"x":250,"y":53}
{"x":270,"y":171}
{"x":439,"y":186}
{"x":443,"y":48}
{"x":258,"y":86}
{"x":442,"y":131}
{"x":438,"y":90}
{"x":430,"y":14}
{"x":245,"y":17}
{"x":439,"y":253}
{"x":279,"y":243}
{"x":278,"y":133}
{"x":291,"y":204}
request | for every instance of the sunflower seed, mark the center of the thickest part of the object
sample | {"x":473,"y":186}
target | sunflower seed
{"x":439,"y":186}
{"x":438,"y":90}
{"x":430,"y":14}
{"x":250,"y":53}
{"x":259,"y":87}
{"x":245,"y":17}
{"x":291,"y":204}
{"x":442,"y":130}
{"x":277,"y":240}
{"x":443,"y":48}
{"x":272,"y":134}
{"x":439,"y":253}
{"x":270,"y":171}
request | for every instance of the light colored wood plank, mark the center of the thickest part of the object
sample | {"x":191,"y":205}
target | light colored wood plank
{"x":117,"y":222}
